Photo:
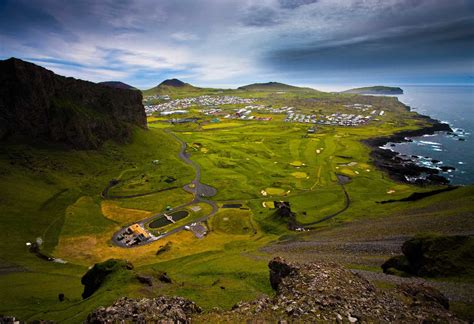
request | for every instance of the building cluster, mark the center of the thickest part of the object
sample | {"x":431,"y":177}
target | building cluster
{"x":172,"y":106}
{"x":245,"y":113}
{"x":359,"y":106}
{"x":157,"y":97}
{"x":363,"y":116}
{"x":134,"y":235}
{"x":336,"y":119}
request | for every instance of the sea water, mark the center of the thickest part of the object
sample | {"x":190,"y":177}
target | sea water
{"x":455,"y":106}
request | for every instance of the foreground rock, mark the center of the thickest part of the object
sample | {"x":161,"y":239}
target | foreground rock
{"x":304,"y":293}
{"x":38,"y":104}
{"x":434,"y":256}
{"x":329,"y":293}
{"x":146,"y":310}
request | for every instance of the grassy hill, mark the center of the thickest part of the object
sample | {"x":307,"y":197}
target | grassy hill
{"x":273,"y":86}
{"x":171,"y":87}
{"x":376,"y":90}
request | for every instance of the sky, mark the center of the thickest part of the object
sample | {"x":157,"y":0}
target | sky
{"x":228,"y":43}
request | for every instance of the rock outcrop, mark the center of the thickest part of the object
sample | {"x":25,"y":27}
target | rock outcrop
{"x":314,"y":292}
{"x":38,"y":104}
{"x":327,"y":292}
{"x":434,"y":256}
{"x":401,"y":169}
{"x":279,"y":269}
{"x":100,"y":272}
{"x":146,"y":310}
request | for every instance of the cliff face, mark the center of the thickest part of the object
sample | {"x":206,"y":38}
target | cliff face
{"x":37,"y":103}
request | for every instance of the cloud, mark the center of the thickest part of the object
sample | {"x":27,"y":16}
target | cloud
{"x":183,"y":37}
{"x":292,"y":4}
{"x":215,"y":41}
{"x":260,"y":16}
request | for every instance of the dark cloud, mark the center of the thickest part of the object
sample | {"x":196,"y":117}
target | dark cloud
{"x":19,"y":19}
{"x":226,"y":40}
{"x":292,"y":4}
{"x":257,"y":16}
{"x":444,"y":44}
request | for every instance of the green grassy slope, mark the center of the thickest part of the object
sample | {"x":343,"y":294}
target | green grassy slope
{"x":273,"y":86}
{"x":48,"y":192}
{"x":54,"y":194}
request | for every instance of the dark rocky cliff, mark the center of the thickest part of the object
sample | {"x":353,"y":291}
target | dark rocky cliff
{"x":36,"y":103}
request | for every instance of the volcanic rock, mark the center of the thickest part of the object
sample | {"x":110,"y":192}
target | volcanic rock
{"x":146,"y":310}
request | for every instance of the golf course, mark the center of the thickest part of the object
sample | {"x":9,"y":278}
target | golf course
{"x":222,"y":175}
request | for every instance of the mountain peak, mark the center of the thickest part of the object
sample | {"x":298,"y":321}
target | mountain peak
{"x":173,"y":83}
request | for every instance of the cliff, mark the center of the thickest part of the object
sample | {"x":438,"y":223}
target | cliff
{"x":38,"y":104}
{"x":118,"y":85}
{"x":377,"y":90}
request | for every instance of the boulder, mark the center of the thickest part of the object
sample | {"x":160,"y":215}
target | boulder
{"x":279,"y":269}
{"x":147,"y":310}
{"x":424,"y":294}
{"x":434,"y":256}
{"x":146,"y":280}
{"x":100,"y":272}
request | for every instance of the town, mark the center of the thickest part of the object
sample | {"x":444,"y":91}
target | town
{"x":365,"y":113}
{"x":179,"y":105}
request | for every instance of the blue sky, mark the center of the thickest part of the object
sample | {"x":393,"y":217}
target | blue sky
{"x":319,"y":43}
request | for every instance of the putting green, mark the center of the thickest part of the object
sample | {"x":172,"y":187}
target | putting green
{"x":297,"y":163}
{"x":268,"y":204}
{"x":300,"y":175}
{"x":275,"y":191}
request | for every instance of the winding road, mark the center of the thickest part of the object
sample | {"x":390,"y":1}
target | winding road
{"x":196,"y":188}
{"x":200,"y":191}
{"x":342,"y":179}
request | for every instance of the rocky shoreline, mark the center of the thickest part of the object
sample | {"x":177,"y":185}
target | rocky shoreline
{"x":406,"y":170}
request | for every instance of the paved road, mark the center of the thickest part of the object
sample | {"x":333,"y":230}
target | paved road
{"x":199,"y":191}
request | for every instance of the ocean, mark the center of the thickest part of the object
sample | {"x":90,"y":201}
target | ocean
{"x":455,"y":106}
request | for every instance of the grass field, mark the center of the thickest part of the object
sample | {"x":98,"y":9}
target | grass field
{"x":54,"y":194}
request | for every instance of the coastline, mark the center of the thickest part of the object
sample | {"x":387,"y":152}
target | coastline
{"x":404,"y":170}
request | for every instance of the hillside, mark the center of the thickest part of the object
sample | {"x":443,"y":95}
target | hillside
{"x":381,"y":90}
{"x":304,"y":293}
{"x":223,"y":177}
{"x":118,"y":85}
{"x":36,"y":103}
{"x":272,"y":86}
{"x":169,"y":87}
